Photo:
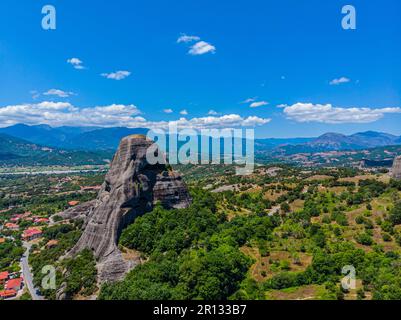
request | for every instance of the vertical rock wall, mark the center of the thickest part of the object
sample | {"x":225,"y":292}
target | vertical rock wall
{"x":131,"y":188}
{"x":396,"y":172}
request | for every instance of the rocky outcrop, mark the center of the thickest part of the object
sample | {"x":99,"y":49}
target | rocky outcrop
{"x":396,"y":171}
{"x":131,"y":188}
{"x":79,"y":212}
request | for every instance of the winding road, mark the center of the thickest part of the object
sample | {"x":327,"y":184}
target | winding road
{"x":26,"y":271}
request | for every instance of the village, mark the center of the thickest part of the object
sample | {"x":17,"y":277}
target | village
{"x":23,"y":233}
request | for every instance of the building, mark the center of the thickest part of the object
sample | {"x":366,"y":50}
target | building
{"x":7,"y":294}
{"x":14,"y":284}
{"x":2,"y":240}
{"x":31,"y":234}
{"x":51,"y":244}
{"x":93,"y":188}
{"x":12,"y":226}
{"x":4,"y":277}
{"x":41,"y":220}
{"x":73,"y":203}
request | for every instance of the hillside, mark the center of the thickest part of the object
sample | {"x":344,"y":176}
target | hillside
{"x":15,"y":151}
{"x":72,"y":138}
{"x":101,"y":139}
{"x":361,"y":140}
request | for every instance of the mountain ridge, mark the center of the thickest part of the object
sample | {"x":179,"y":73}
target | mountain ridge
{"x":107,"y":139}
{"x":16,"y":151}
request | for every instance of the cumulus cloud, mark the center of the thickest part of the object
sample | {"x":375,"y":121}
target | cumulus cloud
{"x":213,"y":113}
{"x":336,"y":82}
{"x":76,"y":63}
{"x":225,"y":121}
{"x":118,"y":75}
{"x":168,"y":110}
{"x":257,"y":104}
{"x":58,"y":93}
{"x":201,"y":47}
{"x":63,"y":113}
{"x":184,"y":112}
{"x":185,"y":38}
{"x":326,"y":113}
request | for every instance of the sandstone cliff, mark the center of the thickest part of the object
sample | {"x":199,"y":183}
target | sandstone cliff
{"x":396,"y":171}
{"x":131,"y":188}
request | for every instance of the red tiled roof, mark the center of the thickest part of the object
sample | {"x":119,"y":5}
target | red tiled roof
{"x":4,"y":275}
{"x":14,"y":283}
{"x":8,"y":293}
{"x":31,"y":232}
{"x":11,"y":225}
{"x":52,"y":243}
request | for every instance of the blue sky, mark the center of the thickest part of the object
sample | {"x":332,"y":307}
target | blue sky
{"x":280,"y":55}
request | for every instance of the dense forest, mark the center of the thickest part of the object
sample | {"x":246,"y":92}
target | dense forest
{"x":197,"y":253}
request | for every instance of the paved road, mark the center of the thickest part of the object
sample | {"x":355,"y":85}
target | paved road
{"x":26,"y":271}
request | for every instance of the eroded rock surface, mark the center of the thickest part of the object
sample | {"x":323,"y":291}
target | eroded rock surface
{"x":396,"y":171}
{"x":131,"y":188}
{"x":79,"y":212}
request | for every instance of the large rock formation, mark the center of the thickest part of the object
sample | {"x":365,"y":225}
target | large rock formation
{"x":396,"y":171}
{"x":131,"y":188}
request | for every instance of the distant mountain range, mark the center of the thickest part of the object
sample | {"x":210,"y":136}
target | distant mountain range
{"x":106,"y":140}
{"x":72,"y":138}
{"x":15,"y":151}
{"x":340,"y":142}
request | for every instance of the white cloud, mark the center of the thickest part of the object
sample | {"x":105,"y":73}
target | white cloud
{"x":199,"y":48}
{"x":119,"y":75}
{"x":249,"y":100}
{"x":338,"y":81}
{"x":202,"y":47}
{"x":63,"y":113}
{"x":76,"y":63}
{"x":185,"y":38}
{"x":168,"y":110}
{"x":257,"y":104}
{"x":225,"y":121}
{"x":59,"y":93}
{"x":326,"y":113}
{"x":213,"y":113}
{"x":184,"y":112}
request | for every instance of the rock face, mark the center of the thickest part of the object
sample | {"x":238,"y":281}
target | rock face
{"x":131,"y":188}
{"x":396,"y":172}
